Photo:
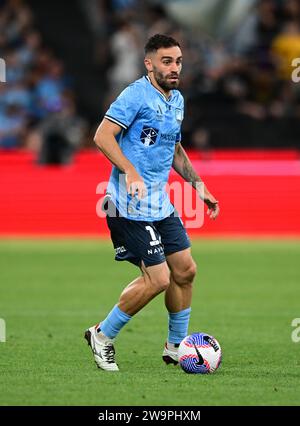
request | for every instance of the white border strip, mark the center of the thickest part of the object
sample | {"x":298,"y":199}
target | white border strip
{"x":115,"y":121}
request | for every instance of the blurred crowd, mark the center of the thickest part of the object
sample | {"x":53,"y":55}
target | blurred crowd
{"x":241,"y":78}
{"x":37,"y":104}
{"x":243,"y":75}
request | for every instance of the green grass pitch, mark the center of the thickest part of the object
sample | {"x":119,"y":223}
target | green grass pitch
{"x":246,"y":294}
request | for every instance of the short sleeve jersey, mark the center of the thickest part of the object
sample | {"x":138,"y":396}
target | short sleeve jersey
{"x":151,"y":127}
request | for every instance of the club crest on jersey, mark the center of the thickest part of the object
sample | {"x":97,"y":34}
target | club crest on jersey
{"x":179,"y":114}
{"x":149,"y":135}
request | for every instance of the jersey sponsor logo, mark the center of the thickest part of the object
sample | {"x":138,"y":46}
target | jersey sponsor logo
{"x":179,"y":114}
{"x":171,"y":137}
{"x":149,"y":135}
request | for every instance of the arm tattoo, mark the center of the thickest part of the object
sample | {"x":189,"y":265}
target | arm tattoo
{"x":189,"y":173}
{"x":184,"y":167}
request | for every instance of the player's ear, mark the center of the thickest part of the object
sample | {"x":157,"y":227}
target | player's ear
{"x":148,"y":64}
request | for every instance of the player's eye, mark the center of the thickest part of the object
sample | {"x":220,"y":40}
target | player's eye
{"x":166,"y":62}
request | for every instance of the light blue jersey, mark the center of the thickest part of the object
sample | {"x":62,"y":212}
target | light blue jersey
{"x":151,"y":128}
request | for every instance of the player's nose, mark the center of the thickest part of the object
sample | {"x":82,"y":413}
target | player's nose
{"x":175,"y":68}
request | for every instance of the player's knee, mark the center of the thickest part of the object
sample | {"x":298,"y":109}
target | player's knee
{"x":165,"y":282}
{"x":186,"y":275}
{"x":160,"y":282}
{"x":192,"y":270}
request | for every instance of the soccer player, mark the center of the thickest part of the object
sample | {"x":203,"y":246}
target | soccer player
{"x":140,"y":135}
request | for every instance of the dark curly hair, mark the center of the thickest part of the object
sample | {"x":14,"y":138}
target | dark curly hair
{"x":159,"y":40}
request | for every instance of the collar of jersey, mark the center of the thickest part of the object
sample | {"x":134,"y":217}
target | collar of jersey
{"x":161,"y":93}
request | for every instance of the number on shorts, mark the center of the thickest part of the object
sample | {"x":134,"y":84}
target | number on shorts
{"x":154,"y":241}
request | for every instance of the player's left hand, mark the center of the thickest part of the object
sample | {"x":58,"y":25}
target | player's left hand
{"x":212,"y":204}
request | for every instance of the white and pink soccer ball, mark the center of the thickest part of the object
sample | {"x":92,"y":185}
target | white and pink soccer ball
{"x":199,"y":353}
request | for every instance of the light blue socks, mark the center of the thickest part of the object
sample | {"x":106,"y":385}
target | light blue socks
{"x":113,"y":323}
{"x":116,"y":319}
{"x":178,"y":325}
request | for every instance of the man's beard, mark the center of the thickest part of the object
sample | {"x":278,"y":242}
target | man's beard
{"x":163,"y":81}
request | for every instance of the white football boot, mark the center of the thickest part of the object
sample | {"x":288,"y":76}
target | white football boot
{"x":102,"y":348}
{"x":170,"y":353}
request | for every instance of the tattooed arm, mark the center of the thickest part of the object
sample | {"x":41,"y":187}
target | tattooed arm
{"x":183,"y":166}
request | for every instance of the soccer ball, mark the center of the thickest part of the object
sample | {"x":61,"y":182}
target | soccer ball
{"x":199,"y":353}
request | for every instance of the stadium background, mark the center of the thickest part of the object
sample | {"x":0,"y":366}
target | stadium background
{"x":64,"y":65}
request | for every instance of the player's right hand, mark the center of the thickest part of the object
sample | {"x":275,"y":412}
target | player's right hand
{"x":135,"y":184}
{"x":212,"y":204}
